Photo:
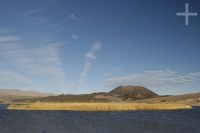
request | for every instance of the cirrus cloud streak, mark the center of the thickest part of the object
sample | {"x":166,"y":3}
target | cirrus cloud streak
{"x":89,"y":57}
{"x":154,"y":79}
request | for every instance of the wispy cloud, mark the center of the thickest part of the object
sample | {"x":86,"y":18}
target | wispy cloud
{"x":154,"y":79}
{"x":13,"y":77}
{"x":31,"y":12}
{"x":89,"y":57}
{"x":114,"y":69}
{"x":3,"y":31}
{"x":75,"y":37}
{"x":41,"y":63}
{"x":54,"y":27}
{"x":74,"y":17}
{"x":197,"y":74}
{"x":39,"y":21}
{"x":9,"y":38}
{"x":51,"y":26}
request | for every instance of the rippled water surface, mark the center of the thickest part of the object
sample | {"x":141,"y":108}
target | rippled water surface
{"x":180,"y":121}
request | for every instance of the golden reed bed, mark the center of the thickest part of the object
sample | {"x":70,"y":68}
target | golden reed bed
{"x":97,"y":106}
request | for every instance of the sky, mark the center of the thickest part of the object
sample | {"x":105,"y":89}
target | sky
{"x":77,"y":47}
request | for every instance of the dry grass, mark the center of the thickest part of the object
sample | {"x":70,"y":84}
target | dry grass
{"x":97,"y":106}
{"x":1,"y":101}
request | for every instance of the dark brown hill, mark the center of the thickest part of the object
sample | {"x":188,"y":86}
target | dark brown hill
{"x":133,"y":92}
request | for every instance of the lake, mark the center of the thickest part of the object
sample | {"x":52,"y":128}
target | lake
{"x":3,"y":106}
{"x":177,"y":121}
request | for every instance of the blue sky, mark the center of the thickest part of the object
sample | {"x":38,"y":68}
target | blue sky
{"x":76,"y":46}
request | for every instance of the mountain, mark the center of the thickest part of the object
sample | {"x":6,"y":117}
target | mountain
{"x":10,"y":94}
{"x":133,"y":92}
{"x":121,"y":93}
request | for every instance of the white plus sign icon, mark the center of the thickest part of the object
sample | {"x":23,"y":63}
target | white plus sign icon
{"x":186,"y":14}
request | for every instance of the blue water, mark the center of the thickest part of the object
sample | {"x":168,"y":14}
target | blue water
{"x":179,"y":121}
{"x":3,"y":106}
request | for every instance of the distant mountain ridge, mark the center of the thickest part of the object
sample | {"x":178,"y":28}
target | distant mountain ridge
{"x":10,"y":94}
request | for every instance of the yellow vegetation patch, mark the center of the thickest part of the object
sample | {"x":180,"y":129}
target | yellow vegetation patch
{"x":97,"y":106}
